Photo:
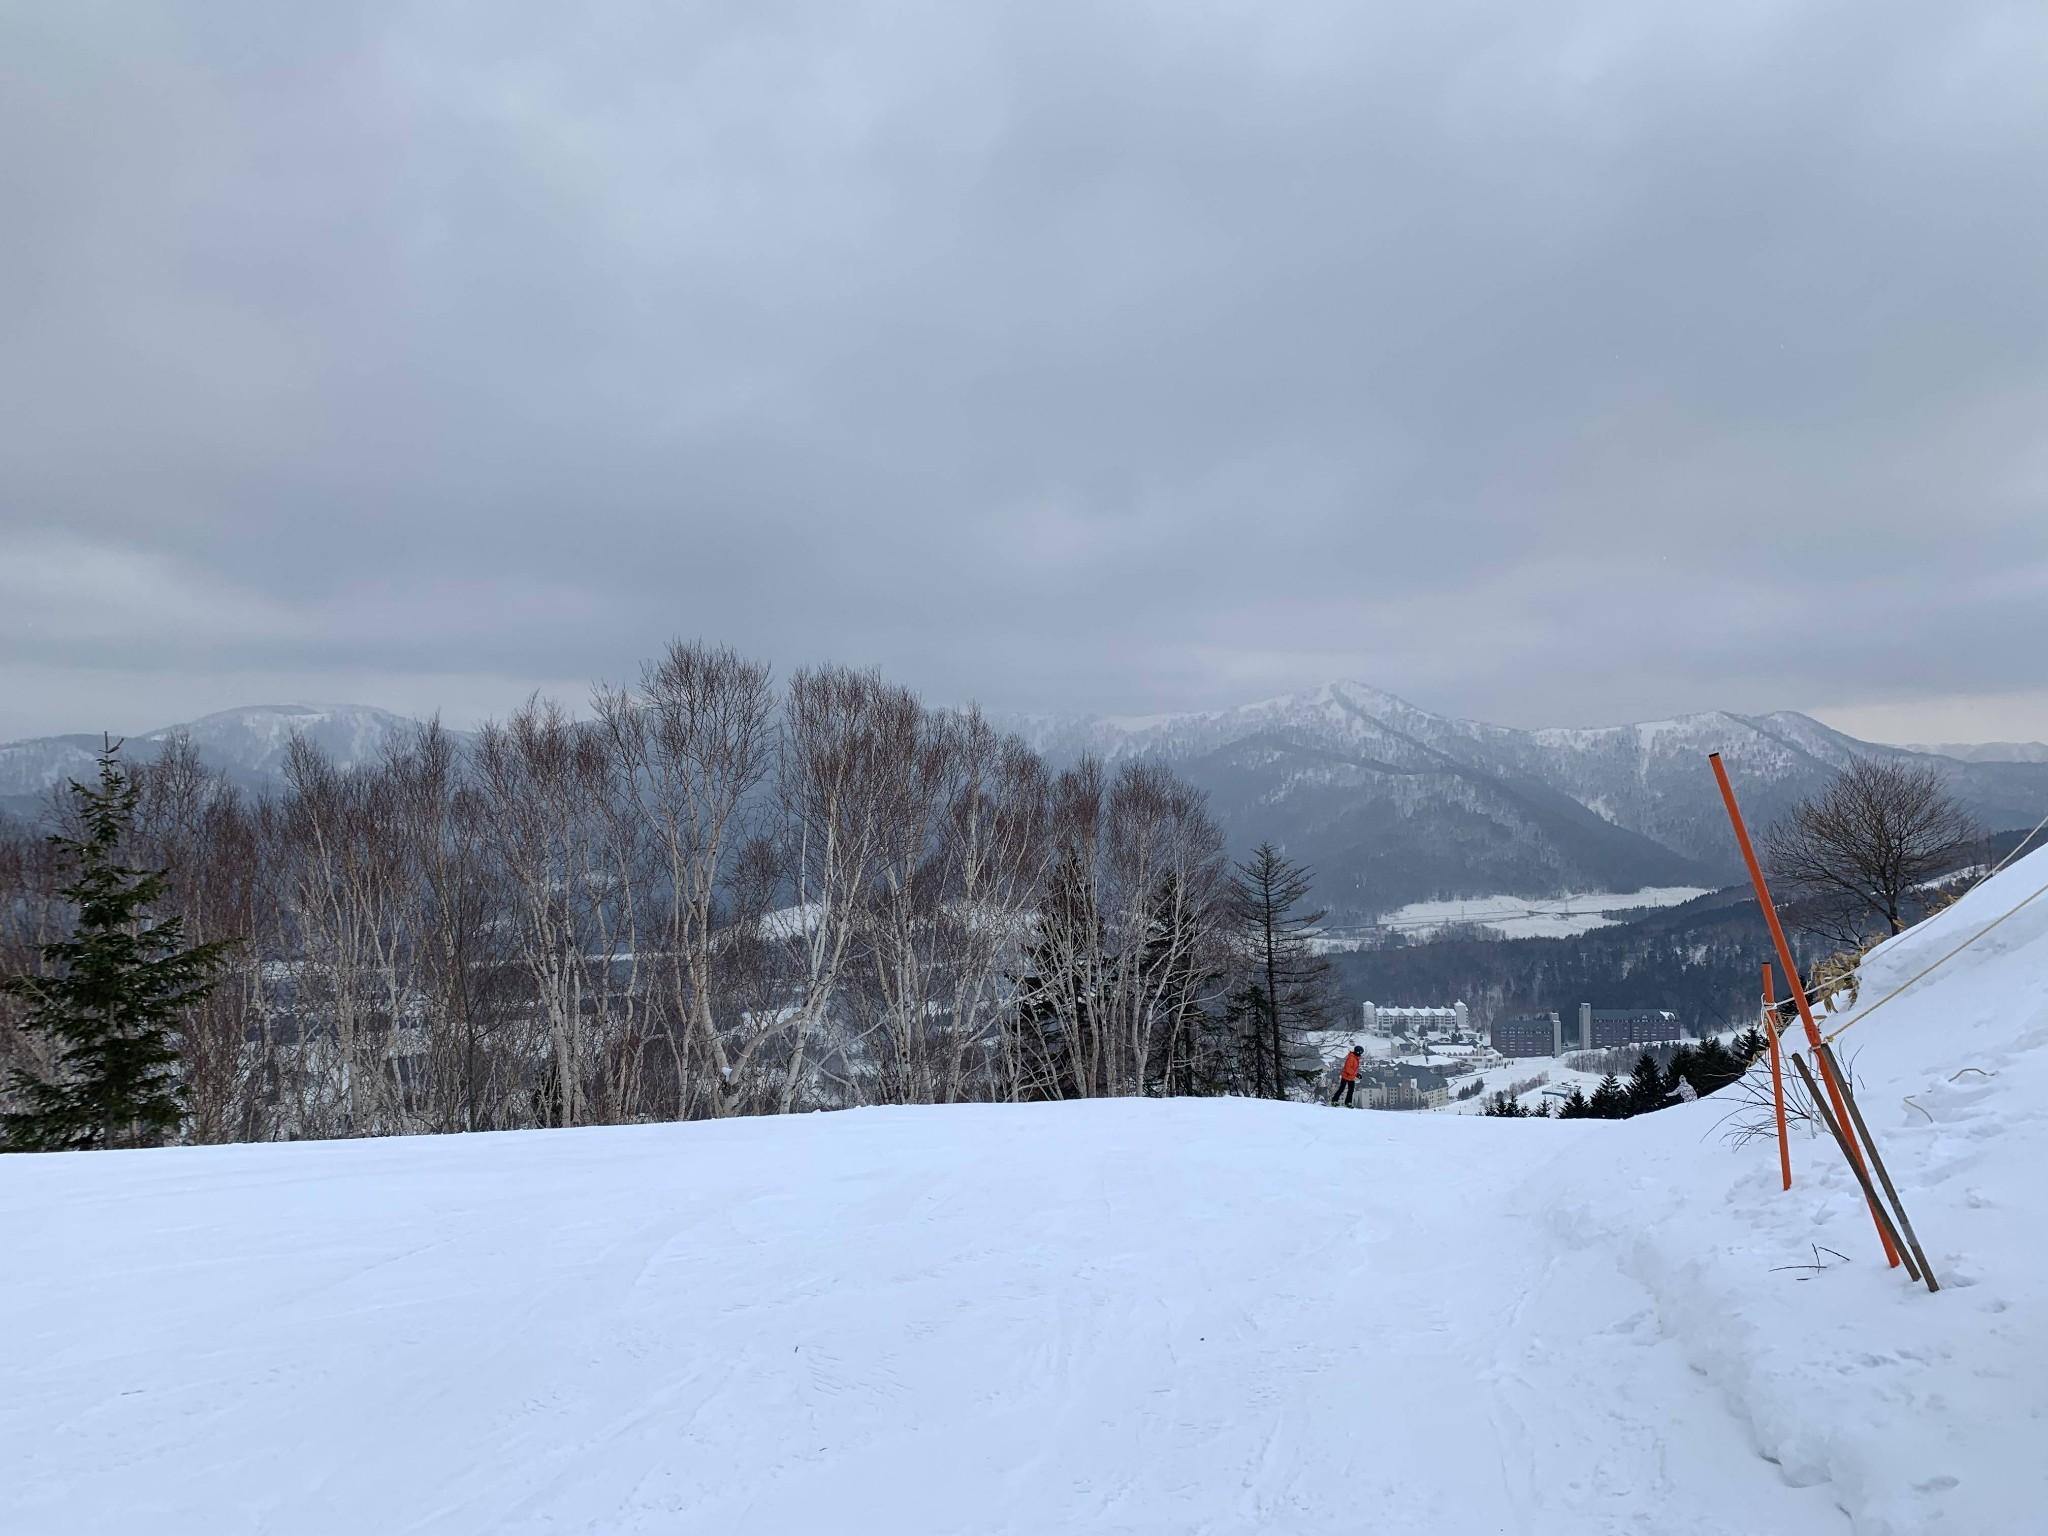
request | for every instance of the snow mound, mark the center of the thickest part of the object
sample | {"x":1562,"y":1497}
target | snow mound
{"x":1213,"y":1316}
{"x":1926,"y":1413}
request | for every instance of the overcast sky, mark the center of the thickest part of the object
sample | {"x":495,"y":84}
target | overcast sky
{"x":1547,"y":363}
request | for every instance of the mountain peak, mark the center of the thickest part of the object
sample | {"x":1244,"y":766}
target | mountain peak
{"x":248,"y":743}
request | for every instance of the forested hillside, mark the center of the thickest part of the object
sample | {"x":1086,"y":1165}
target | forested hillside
{"x":1700,"y":960}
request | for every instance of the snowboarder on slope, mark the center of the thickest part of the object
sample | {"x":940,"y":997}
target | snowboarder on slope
{"x":1347,"y":1078}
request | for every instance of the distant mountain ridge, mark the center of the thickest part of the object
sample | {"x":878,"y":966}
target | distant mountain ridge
{"x":248,"y":744}
{"x":1986,"y":751}
{"x":1395,"y":804}
{"x":1390,"y":803}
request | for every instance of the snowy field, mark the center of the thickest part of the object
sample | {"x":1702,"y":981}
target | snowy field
{"x":1532,"y":917}
{"x":1216,"y":1317}
{"x":1558,"y":1080}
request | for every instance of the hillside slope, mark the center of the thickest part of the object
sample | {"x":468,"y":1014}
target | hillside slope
{"x":1209,"y":1316}
{"x":1394,"y":804}
{"x":1924,"y":1413}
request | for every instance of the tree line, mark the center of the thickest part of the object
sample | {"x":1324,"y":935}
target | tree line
{"x":1690,"y":1069}
{"x":714,"y":896}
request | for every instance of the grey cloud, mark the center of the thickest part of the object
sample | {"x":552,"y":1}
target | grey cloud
{"x":1555,"y":362}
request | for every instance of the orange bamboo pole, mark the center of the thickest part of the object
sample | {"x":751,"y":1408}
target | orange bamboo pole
{"x":1763,"y":899}
{"x":1777,"y":1077}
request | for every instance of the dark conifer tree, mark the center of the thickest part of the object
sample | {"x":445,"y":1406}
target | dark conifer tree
{"x":1286,"y":987}
{"x":1245,"y":1023}
{"x":1715,"y":1067}
{"x":1610,"y":1099}
{"x":1645,"y":1086}
{"x":1681,"y":1068}
{"x":1576,"y":1106}
{"x":111,"y":995}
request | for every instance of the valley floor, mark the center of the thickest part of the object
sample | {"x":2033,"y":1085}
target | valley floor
{"x":1193,"y":1316}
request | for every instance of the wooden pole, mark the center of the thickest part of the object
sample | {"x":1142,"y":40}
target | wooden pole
{"x":1905,"y":1222}
{"x":1763,"y":899}
{"x":1835,"y":1129}
{"x":1777,"y":1077}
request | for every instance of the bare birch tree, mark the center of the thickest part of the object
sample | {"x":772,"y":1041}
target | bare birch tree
{"x":839,"y":729}
{"x":1163,"y":874}
{"x":544,"y":779}
{"x":993,"y":853}
{"x":691,"y":746}
{"x":345,"y":888}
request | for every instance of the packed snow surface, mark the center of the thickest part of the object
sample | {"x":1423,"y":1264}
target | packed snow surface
{"x":1220,"y":1316}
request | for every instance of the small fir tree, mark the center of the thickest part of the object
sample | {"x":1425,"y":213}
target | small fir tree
{"x":1576,"y":1105}
{"x":110,"y":995}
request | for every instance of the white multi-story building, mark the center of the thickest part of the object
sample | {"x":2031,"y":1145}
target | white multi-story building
{"x":1418,"y":1023}
{"x":1406,"y":1086}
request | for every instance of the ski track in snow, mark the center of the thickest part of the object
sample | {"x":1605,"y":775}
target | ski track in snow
{"x":1193,"y":1316}
{"x":1085,"y":1317}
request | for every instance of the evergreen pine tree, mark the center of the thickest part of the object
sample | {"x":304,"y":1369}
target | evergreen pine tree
{"x":1244,"y":1023}
{"x":1576,"y":1106}
{"x":1645,"y":1086}
{"x":111,"y":994}
{"x":1610,"y":1099}
{"x":1286,"y":986}
{"x":1680,"y":1068}
{"x":1714,"y":1066}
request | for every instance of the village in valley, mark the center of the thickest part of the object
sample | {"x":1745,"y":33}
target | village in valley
{"x":1436,"y":1057}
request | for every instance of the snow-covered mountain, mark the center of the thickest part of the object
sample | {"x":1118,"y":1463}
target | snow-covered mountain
{"x":1395,"y":804}
{"x":1392,"y":804}
{"x":248,"y":743}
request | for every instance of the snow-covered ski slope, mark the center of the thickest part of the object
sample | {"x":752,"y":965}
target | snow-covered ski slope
{"x":1106,"y":1317}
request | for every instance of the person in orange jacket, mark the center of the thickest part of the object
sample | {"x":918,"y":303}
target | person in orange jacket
{"x":1347,"y":1078}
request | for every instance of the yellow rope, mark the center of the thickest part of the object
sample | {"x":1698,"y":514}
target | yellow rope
{"x":1895,"y":991}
